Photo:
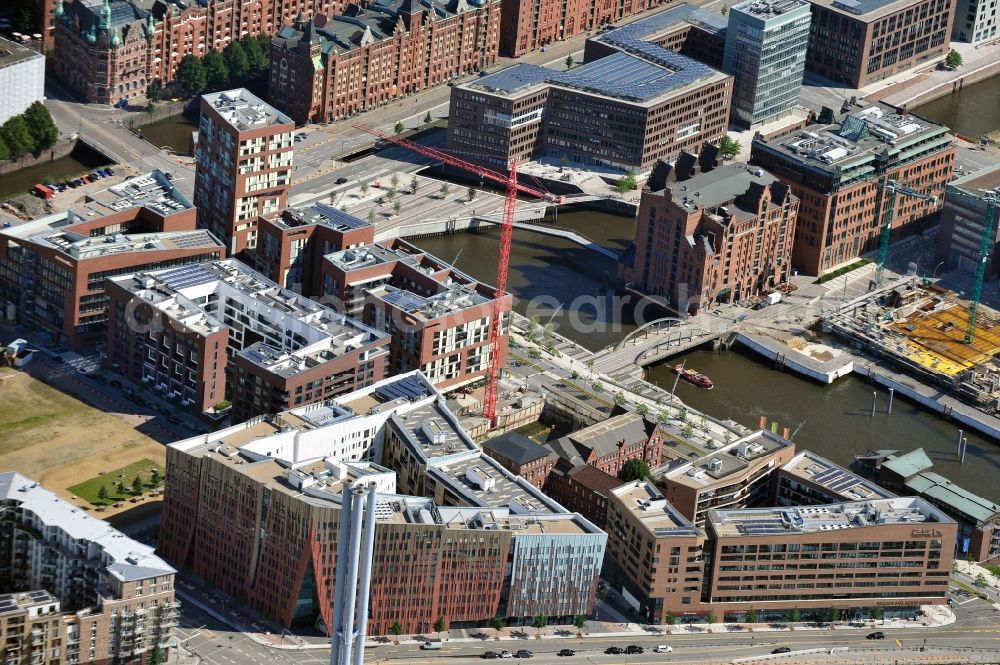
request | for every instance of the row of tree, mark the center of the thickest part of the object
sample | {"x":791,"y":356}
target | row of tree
{"x":137,"y":487}
{"x":539,"y":621}
{"x":31,"y":131}
{"x":238,"y":63}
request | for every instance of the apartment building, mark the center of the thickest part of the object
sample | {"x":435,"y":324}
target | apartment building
{"x":738,"y":475}
{"x":22,"y":78}
{"x":440,"y":502}
{"x":329,"y":68}
{"x":978,"y":518}
{"x":54,"y":269}
{"x":766,"y":45}
{"x":809,"y":479}
{"x":834,"y":168}
{"x":82,"y":591}
{"x":244,"y":166}
{"x":963,"y":217}
{"x":858,"y":42}
{"x":110,"y":50}
{"x":628,"y":110}
{"x":975,"y":21}
{"x":437,"y":317}
{"x":213,"y":331}
{"x":723,"y":235}
{"x":522,"y":457}
{"x":683,"y":28}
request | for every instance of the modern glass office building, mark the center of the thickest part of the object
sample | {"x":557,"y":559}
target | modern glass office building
{"x":766,"y":45}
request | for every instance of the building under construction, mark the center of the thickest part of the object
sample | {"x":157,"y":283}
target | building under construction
{"x":923,"y":328}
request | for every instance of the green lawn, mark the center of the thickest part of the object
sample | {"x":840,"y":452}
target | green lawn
{"x":89,"y":489}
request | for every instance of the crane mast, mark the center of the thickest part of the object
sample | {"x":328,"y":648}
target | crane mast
{"x":985,"y":242}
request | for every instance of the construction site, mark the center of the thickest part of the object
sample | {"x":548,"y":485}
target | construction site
{"x":932,"y":334}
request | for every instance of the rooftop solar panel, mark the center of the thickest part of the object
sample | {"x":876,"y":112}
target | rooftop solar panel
{"x":340,"y":217}
{"x":408,"y":387}
{"x":185,"y":276}
{"x":404,"y":300}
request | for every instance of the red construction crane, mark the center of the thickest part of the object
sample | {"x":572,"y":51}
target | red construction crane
{"x":509,"y":181}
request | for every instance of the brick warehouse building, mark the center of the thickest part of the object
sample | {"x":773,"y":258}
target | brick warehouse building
{"x":859,"y":42}
{"x":54,"y":269}
{"x":111,"y":50}
{"x":629,"y":110}
{"x":723,"y":235}
{"x":244,"y":166}
{"x":833,"y":168}
{"x":329,"y":68}
{"x":254,"y":509}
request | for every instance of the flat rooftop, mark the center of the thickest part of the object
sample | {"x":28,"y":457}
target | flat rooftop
{"x":642,"y":72}
{"x":837,"y":480}
{"x":776,"y":522}
{"x":856,"y":138}
{"x":319,"y":214}
{"x":867,"y":10}
{"x":15,"y":603}
{"x":728,"y":460}
{"x":11,"y":53}
{"x":244,"y":110}
{"x":768,"y":9}
{"x":652,"y":510}
{"x":428,"y":308}
{"x":480,"y":480}
{"x":126,"y":559}
{"x":987,"y":178}
{"x":82,"y":247}
{"x":719,"y":187}
{"x":435,"y":432}
{"x":648,"y":27}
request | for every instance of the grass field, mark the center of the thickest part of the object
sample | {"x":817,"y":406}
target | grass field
{"x":89,"y":490}
{"x":57,"y":440}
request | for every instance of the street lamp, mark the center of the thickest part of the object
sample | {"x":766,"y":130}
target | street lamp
{"x":934,"y":274}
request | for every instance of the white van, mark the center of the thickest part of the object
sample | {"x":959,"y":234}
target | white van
{"x":431,"y":645}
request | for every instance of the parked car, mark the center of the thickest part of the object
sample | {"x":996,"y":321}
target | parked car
{"x":173,"y":420}
{"x":85,"y":180}
{"x":523,"y":653}
{"x":163,"y":411}
{"x":506,"y":654}
{"x":634,"y":648}
{"x":115,"y":383}
{"x":110,"y":171}
{"x":877,"y":635}
{"x":781,"y":650}
{"x":662,"y":648}
{"x":566,"y":652}
{"x":341,"y":181}
{"x":614,"y":650}
{"x":490,"y":655}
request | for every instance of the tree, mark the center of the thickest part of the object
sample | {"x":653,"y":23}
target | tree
{"x":580,"y":620}
{"x":980,"y":581}
{"x":953,"y":59}
{"x":191,"y":75}
{"x":710,"y":617}
{"x":397,"y":206}
{"x":399,"y":128}
{"x":150,"y":108}
{"x":4,"y":151}
{"x":428,"y":119}
{"x":569,"y":62}
{"x":257,"y":60}
{"x":397,"y":628}
{"x":364,"y":189}
{"x":597,"y":386}
{"x":497,"y":624}
{"x":471,"y":194}
{"x":154,"y":477}
{"x":137,"y":485}
{"x":794,"y":615}
{"x":102,"y":494}
{"x":670,"y":619}
{"x":688,"y":431}
{"x":834,"y":614}
{"x":156,"y":658}
{"x":390,"y":193}
{"x":642,"y":409}
{"x":878,"y":612}
{"x":724,"y":10}
{"x":440,"y":625}
{"x":394,"y":180}
{"x":619,"y":398}
{"x":539,"y":622}
{"x":43,"y":129}
{"x":216,"y":72}
{"x":414,"y":185}
{"x":634,"y":469}
{"x":154,"y":91}
{"x":371,"y":216}
{"x":627,"y":182}
{"x":264,"y":41}
{"x":17,"y":136}
{"x":444,"y":190}
{"x":730,"y":148}
{"x":954,"y":567}
{"x":237,"y":62}
{"x":752,"y":615}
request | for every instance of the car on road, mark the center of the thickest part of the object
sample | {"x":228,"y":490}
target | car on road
{"x":431,"y":645}
{"x":341,"y":181}
{"x":634,"y":648}
{"x":877,"y":635}
{"x":100,"y":378}
{"x":506,"y":654}
{"x":614,"y":650}
{"x":115,"y":383}
{"x":173,"y":420}
{"x":523,"y":653}
{"x":140,"y":401}
{"x":490,"y":655}
{"x":663,"y":648}
{"x":566,"y":652}
{"x":163,"y":411}
{"x":781,"y":650}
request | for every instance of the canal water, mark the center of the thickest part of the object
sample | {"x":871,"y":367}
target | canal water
{"x":971,"y":111}
{"x":79,"y":162}
{"x":173,"y":132}
{"x":837,"y":417}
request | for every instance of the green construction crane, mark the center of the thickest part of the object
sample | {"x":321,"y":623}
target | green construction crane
{"x":990,"y":199}
{"x":892,"y":188}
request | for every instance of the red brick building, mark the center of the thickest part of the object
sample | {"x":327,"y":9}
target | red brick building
{"x":244,"y":166}
{"x":522,"y":456}
{"x":112,"y":51}
{"x":329,"y":68}
{"x":724,"y":235}
{"x":55,"y":268}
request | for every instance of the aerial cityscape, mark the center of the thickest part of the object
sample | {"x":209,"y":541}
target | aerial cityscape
{"x":426,"y":332}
